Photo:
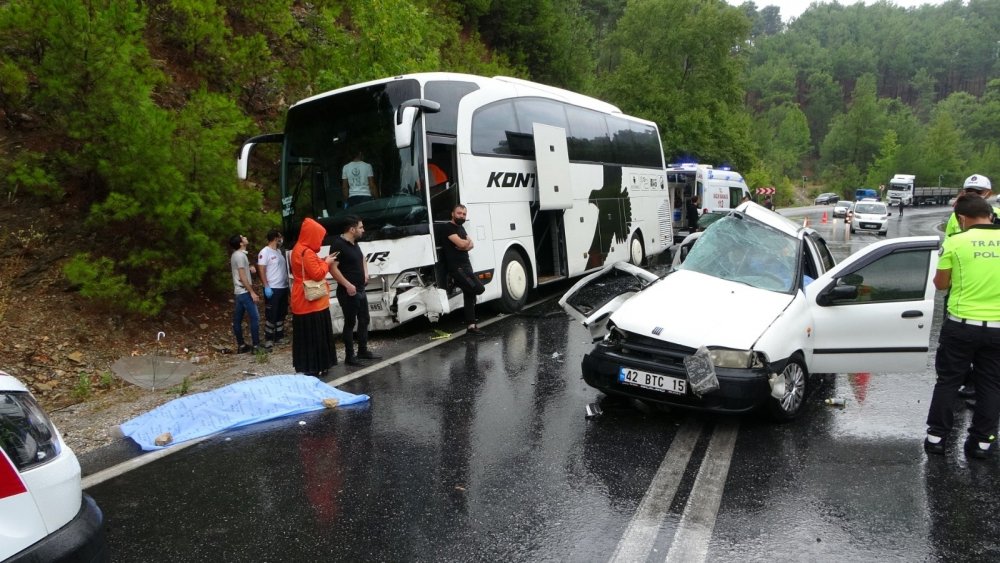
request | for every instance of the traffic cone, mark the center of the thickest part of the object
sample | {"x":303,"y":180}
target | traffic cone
{"x":824,"y":217}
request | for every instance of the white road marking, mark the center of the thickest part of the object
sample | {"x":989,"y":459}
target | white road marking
{"x":135,"y":463}
{"x":695,"y":529}
{"x":638,"y":539}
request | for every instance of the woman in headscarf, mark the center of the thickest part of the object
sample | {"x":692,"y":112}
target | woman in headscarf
{"x":313,"y":350}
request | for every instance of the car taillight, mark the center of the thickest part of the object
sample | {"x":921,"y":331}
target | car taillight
{"x":10,"y":481}
{"x":26,"y":435}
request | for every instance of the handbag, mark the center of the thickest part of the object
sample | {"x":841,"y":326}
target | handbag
{"x":313,"y":289}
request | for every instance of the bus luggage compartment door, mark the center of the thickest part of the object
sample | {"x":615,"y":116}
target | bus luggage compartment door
{"x":552,"y":158}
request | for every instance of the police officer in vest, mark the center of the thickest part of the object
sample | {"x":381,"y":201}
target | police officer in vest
{"x":970,"y":268}
{"x":979,"y":185}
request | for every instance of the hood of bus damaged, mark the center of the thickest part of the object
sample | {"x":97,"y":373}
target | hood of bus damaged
{"x":689,"y":309}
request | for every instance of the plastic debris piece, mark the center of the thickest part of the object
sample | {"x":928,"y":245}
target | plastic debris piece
{"x":593,"y":411}
{"x":302,"y":423}
{"x":440,"y":335}
{"x":836,"y":402}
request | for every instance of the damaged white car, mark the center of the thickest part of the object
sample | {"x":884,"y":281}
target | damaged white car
{"x":757,"y":306}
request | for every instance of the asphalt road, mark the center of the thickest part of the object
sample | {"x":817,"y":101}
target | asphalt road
{"x":478,"y":449}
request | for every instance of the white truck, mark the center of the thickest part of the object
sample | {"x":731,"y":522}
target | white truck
{"x":902,"y":187}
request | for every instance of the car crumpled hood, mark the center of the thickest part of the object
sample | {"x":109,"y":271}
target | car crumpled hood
{"x":694,"y":309}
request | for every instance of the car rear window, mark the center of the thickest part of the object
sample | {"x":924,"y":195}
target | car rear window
{"x":26,"y":434}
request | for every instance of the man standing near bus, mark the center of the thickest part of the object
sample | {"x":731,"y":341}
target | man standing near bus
{"x":456,"y":247}
{"x":358,"y":181}
{"x":350,"y":270}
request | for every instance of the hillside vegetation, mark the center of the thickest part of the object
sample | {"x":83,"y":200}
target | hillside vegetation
{"x":121,"y":118}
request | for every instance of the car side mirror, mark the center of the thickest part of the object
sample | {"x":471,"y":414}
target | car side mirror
{"x":837,"y":293}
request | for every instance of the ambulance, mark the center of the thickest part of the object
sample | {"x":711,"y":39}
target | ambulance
{"x":718,"y":189}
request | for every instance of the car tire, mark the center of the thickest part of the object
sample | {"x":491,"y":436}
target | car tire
{"x":636,"y":250}
{"x":514,"y":283}
{"x":852,"y":230}
{"x":796,"y":383}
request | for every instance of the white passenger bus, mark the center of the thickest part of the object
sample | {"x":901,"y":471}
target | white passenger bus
{"x":716,"y":188}
{"x":556,"y":184}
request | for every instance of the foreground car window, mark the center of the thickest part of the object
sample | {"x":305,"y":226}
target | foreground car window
{"x":25,"y":432}
{"x":740,"y":249}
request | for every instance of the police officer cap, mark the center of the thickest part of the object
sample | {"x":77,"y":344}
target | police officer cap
{"x":978,"y":182}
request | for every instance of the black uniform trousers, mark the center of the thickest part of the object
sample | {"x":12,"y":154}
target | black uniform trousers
{"x":962,"y":345}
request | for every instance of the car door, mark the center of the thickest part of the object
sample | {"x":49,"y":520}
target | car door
{"x":592,"y":299}
{"x":874,"y":311}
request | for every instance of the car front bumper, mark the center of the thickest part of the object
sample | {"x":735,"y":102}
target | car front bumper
{"x":81,"y":539}
{"x":740,"y":390}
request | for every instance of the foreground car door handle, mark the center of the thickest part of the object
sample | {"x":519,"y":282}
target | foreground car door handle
{"x":912,"y":314}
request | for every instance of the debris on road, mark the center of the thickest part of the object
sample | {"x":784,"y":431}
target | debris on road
{"x":836,"y":402}
{"x":594,"y":411}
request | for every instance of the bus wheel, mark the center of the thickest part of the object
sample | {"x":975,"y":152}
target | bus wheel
{"x":513,"y":283}
{"x":636,"y":253}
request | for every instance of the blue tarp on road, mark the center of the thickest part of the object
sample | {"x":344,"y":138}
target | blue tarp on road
{"x":232,"y":406}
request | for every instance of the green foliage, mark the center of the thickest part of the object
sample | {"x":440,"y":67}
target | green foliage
{"x":29,"y":173}
{"x":855,"y":136}
{"x":83,"y":388}
{"x":687,"y":80}
{"x":887,"y":163}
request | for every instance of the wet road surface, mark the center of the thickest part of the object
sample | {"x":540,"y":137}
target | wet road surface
{"x":479,"y":450}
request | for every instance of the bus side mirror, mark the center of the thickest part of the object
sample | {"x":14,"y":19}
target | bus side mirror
{"x":406,"y":115}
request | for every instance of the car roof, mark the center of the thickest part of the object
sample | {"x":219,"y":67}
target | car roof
{"x":10,"y":383}
{"x":772,"y":219}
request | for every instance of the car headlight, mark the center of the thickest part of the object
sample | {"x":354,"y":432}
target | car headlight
{"x":615,"y":336}
{"x":742,"y":359}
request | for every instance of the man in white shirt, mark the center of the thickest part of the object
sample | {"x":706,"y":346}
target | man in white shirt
{"x":358,"y":181}
{"x":274,"y":274}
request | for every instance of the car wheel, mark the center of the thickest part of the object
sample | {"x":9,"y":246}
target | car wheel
{"x":513,"y":282}
{"x":852,"y":230}
{"x":794,"y":378}
{"x":637,"y":254}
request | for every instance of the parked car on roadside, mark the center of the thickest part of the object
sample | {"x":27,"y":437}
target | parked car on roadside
{"x":44,"y":514}
{"x":827,"y":199}
{"x":870,"y":216}
{"x":842,"y":208}
{"x":761,"y":300}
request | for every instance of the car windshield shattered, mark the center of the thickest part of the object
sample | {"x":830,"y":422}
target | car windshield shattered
{"x":741,"y":249}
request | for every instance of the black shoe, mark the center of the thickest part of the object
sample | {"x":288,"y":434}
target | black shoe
{"x":932,"y":448}
{"x":976,"y":449}
{"x":352,"y":361}
{"x":244,"y":349}
{"x":366,"y":355}
{"x":967,"y":392}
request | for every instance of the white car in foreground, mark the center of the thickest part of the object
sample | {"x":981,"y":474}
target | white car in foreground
{"x":765,"y":302}
{"x":44,"y":515}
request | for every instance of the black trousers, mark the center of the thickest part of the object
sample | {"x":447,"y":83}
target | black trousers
{"x":469,"y":283}
{"x":355,"y":309}
{"x":962,"y":345}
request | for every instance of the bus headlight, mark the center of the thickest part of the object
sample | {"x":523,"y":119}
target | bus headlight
{"x":740,"y":359}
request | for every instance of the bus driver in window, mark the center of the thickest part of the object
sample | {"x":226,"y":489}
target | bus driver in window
{"x":358,"y":181}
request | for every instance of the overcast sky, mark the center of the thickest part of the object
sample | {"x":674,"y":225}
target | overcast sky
{"x":794,"y":8}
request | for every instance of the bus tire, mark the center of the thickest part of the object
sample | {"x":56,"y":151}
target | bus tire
{"x":514,"y":282}
{"x":636,"y":250}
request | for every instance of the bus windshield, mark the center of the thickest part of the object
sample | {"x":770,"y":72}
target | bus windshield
{"x":324,"y":135}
